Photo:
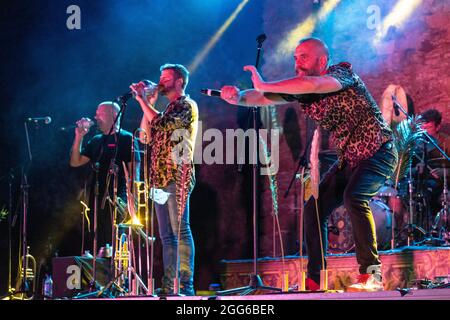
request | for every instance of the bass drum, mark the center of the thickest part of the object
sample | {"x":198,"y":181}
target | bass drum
{"x":340,"y":233}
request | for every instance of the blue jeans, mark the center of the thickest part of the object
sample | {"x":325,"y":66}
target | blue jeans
{"x":354,"y":187}
{"x":167,"y":215}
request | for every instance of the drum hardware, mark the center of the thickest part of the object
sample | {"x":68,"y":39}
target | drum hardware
{"x":340,"y":230}
{"x":439,"y":282}
{"x":441,"y":223}
{"x":411,"y":226}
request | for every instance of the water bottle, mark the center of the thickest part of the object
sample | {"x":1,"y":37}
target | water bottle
{"x":48,"y":287}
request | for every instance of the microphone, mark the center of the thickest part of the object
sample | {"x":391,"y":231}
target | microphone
{"x":38,"y":120}
{"x":125,"y":96}
{"x":396,"y":106}
{"x":211,"y":92}
{"x":260,"y":39}
{"x":67,"y":128}
{"x":84,"y":123}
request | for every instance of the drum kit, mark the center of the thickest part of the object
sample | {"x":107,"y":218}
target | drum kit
{"x":402,"y":216}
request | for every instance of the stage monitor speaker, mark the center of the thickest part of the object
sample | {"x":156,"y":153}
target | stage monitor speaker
{"x":72,"y":275}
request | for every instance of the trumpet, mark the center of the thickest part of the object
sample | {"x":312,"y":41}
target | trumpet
{"x":30,"y":276}
{"x":131,"y":213}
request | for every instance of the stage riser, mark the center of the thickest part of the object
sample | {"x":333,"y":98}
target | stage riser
{"x":399,"y":269}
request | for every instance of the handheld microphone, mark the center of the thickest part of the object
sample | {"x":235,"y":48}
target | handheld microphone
{"x":40,"y":120}
{"x":396,"y":106}
{"x":84,"y":123}
{"x":67,"y":128}
{"x":211,"y":92}
{"x":126,"y":96}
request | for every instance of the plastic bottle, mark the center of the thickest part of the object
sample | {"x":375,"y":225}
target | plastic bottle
{"x":48,"y":287}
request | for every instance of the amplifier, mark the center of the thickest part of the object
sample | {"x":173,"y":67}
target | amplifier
{"x":72,"y":275}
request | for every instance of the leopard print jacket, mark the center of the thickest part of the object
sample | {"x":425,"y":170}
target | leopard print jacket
{"x":350,"y":114}
{"x":165,"y":143}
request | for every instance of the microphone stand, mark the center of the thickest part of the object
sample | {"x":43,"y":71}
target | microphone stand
{"x":11,"y":178}
{"x":302,"y":162}
{"x":428,"y":137}
{"x":256,"y":282}
{"x":24,"y":189}
{"x":96,"y":168}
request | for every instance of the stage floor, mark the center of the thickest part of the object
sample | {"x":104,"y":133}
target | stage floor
{"x":420,"y":294}
{"x":401,"y":269}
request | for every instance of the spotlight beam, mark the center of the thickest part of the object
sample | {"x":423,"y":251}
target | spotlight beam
{"x":303,"y":29}
{"x":397,"y":17}
{"x":212,"y":42}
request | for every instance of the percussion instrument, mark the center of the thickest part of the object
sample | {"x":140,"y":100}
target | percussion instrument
{"x":340,"y":235}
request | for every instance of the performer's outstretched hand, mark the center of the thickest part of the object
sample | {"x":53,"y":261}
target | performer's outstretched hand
{"x":256,"y":77}
{"x":230,"y":94}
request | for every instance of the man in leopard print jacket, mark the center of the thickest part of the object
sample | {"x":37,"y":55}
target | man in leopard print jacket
{"x":338,"y":100}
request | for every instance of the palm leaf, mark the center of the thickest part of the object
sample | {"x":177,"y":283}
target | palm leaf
{"x":406,"y":137}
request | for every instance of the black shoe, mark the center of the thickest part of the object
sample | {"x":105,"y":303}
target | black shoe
{"x":187,"y":292}
{"x":163,"y":292}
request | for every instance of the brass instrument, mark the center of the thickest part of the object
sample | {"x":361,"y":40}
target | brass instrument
{"x":131,"y":212}
{"x":30,"y":277}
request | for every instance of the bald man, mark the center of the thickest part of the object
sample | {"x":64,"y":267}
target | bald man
{"x":337,"y":99}
{"x":100,"y":149}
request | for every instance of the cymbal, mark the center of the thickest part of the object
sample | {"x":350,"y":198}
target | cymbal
{"x":439,"y":162}
{"x":386,"y":191}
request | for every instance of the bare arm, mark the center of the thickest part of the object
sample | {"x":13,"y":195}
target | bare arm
{"x":76,"y":158}
{"x":145,"y":126}
{"x":302,"y":85}
{"x":249,"y":98}
{"x":296,"y":85}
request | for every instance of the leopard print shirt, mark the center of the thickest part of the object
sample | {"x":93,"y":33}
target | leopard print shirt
{"x":180,"y":114}
{"x":350,"y":114}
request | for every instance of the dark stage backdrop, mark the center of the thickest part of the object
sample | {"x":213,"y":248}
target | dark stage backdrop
{"x":49,"y":70}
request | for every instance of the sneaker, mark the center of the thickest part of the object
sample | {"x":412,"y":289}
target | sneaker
{"x":367,"y":283}
{"x":187,"y":289}
{"x":311,"y":285}
{"x":187,"y":292}
{"x":163,"y":292}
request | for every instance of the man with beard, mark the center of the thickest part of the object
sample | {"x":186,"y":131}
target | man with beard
{"x":171,"y":138}
{"x":337,"y":99}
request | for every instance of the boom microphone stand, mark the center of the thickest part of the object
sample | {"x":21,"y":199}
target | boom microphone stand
{"x":256,"y":282}
{"x":24,"y":186}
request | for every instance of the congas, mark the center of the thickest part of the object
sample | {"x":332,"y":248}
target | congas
{"x":340,"y":233}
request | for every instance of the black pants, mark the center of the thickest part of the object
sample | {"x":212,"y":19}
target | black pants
{"x":355,"y":187}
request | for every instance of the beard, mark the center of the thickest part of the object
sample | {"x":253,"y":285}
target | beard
{"x":314,"y":70}
{"x":307,"y":72}
{"x":165,"y":89}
